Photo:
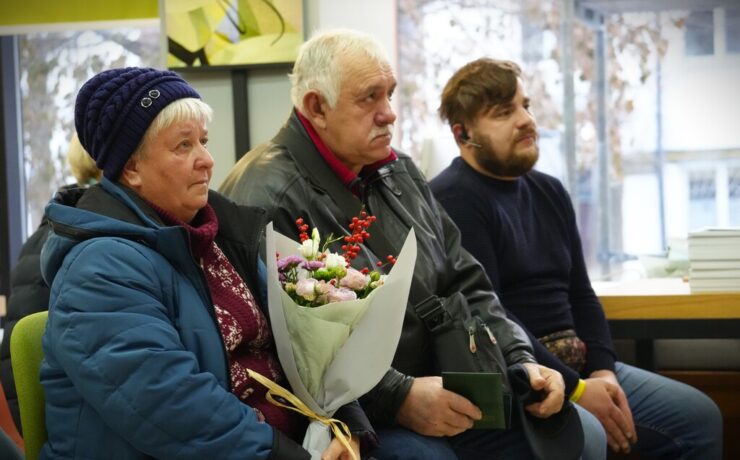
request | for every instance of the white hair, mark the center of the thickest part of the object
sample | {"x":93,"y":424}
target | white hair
{"x":188,"y":108}
{"x":318,"y":66}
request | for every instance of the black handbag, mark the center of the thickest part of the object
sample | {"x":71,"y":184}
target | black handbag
{"x":463,"y":342}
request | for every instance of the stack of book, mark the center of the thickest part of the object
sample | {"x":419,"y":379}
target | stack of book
{"x":714,"y":260}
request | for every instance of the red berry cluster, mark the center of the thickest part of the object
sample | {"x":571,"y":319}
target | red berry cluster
{"x":351,"y":246}
{"x":390,"y":260}
{"x":302,"y":229}
{"x":359,"y":226}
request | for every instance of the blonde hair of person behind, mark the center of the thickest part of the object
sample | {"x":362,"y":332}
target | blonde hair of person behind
{"x":318,"y":66}
{"x":81,"y":163}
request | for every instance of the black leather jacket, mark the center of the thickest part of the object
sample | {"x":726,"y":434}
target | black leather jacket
{"x":294,"y":181}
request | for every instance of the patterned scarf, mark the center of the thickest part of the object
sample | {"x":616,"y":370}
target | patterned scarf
{"x":244,"y":328}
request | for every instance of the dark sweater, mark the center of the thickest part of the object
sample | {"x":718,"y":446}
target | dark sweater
{"x":524,"y":233}
{"x":28,"y":294}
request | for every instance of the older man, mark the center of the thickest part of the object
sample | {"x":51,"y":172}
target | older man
{"x":331,"y":159}
{"x":521,"y":225}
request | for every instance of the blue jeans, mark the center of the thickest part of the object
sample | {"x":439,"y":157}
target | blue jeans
{"x":673,"y":420}
{"x":594,"y":436}
{"x":403,"y":444}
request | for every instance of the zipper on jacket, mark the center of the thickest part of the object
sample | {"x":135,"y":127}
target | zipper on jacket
{"x":490,"y":334}
{"x":471,"y":340}
{"x":491,"y":353}
{"x":210,"y":307}
{"x":212,"y":313}
{"x":473,"y":347}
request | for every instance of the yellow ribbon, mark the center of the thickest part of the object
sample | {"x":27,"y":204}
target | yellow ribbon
{"x":339,"y":428}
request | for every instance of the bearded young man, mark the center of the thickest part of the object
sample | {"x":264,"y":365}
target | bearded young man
{"x":520,"y":224}
{"x":333,"y":155}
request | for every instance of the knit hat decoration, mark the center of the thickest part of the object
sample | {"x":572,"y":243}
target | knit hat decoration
{"x":115,"y":108}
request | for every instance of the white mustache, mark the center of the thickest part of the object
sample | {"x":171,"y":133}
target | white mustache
{"x":385,"y":130}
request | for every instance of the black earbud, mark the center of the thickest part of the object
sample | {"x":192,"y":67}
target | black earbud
{"x":465,"y":139}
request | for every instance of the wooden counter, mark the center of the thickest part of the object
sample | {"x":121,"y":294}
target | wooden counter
{"x":664,"y":298}
{"x":650,"y":309}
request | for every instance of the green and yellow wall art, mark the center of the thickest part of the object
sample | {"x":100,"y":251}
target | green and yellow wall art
{"x":203,"y":33}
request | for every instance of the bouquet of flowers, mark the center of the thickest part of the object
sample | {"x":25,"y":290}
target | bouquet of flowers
{"x":336,"y":328}
{"x":318,"y":276}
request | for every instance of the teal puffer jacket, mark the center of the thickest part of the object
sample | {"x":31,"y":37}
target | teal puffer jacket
{"x":134,"y":362}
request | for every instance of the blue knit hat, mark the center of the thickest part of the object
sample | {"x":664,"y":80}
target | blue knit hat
{"x":115,"y":108}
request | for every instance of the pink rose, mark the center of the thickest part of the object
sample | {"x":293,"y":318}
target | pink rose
{"x":341,"y":294}
{"x":354,"y":279}
{"x":322,"y":289}
{"x":306,"y":288}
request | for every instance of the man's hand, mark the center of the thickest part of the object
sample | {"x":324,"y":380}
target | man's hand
{"x":431,"y":410}
{"x":336,"y":451}
{"x":605,"y":399}
{"x":551,"y":382}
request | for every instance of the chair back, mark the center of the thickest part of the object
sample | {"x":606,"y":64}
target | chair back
{"x":7,"y":424}
{"x":25,"y":356}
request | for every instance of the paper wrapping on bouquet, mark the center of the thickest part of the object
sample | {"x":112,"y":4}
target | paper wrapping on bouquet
{"x":333,"y":354}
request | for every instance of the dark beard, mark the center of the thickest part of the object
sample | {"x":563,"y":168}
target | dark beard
{"x":512,"y":166}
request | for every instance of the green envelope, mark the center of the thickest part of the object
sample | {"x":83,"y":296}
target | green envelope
{"x":485,"y":390}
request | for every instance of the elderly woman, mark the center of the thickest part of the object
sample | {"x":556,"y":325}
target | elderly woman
{"x":154,"y":316}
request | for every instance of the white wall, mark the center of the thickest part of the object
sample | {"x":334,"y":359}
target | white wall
{"x":268,"y":91}
{"x":377,"y":17}
{"x":215,"y":89}
{"x":704,"y":86}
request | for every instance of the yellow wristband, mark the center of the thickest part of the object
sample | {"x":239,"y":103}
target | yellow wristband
{"x":578,"y":392}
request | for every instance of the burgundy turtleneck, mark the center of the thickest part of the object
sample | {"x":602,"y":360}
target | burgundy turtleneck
{"x":346,"y":175}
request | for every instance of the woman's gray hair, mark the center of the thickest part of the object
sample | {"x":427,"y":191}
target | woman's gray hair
{"x":180,"y":110}
{"x":318,"y":66}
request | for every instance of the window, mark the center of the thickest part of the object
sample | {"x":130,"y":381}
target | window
{"x":734,"y":196}
{"x":53,"y":66}
{"x":663,"y":180}
{"x":700,"y":33}
{"x":732,"y":30}
{"x":702,"y":199}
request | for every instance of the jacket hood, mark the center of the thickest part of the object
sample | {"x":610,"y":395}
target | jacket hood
{"x":103,"y":210}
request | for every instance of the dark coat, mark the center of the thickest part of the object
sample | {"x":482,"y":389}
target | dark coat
{"x":290,"y":179}
{"x":29,"y":294}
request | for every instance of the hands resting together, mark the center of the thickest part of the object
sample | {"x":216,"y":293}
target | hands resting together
{"x":431,"y":410}
{"x":605,"y":399}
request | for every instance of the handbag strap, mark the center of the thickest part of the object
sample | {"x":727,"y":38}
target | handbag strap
{"x":431,"y":312}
